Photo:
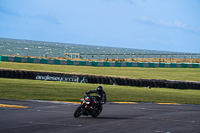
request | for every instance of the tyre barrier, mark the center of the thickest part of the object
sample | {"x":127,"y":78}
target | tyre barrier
{"x":94,"y":79}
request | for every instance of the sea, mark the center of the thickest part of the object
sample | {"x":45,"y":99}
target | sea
{"x":54,"y":49}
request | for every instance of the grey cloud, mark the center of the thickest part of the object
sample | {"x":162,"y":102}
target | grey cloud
{"x":9,"y":11}
{"x":130,"y":2}
{"x":174,"y":24}
{"x":48,"y":18}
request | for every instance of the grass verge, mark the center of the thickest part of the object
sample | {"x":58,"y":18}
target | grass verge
{"x":68,"y":91}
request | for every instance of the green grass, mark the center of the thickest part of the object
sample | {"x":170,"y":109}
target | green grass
{"x":68,"y":91}
{"x":187,"y":74}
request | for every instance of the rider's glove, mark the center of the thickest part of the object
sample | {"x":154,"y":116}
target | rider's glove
{"x":86,"y":94}
{"x":102,"y":102}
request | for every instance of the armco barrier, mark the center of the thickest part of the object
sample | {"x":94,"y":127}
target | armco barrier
{"x":99,"y":63}
{"x":94,"y":79}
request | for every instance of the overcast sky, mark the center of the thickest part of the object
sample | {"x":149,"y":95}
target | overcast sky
{"x":167,"y":25}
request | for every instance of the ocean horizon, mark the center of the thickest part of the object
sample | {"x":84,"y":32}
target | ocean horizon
{"x":54,"y":49}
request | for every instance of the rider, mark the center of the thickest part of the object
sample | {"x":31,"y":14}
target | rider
{"x":101,"y":95}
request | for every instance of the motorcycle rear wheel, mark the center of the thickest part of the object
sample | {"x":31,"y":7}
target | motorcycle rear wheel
{"x":78,"y":112}
{"x":97,"y":113}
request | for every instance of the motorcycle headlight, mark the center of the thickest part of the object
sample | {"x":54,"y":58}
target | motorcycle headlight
{"x":87,"y":102}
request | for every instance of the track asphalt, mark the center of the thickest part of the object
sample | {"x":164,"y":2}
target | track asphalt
{"x":23,"y":116}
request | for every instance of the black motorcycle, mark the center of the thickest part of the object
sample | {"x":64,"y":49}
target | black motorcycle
{"x":89,"y":106}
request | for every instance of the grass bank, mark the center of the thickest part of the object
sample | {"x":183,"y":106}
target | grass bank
{"x":187,"y":74}
{"x":68,"y":91}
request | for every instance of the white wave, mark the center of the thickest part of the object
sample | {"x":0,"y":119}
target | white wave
{"x":25,"y":48}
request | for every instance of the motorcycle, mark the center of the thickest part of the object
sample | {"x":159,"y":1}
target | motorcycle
{"x":89,"y":106}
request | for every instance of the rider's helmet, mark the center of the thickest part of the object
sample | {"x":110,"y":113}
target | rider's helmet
{"x":99,"y":88}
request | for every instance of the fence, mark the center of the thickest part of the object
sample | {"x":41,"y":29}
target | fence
{"x":130,"y":56}
{"x":98,"y":63}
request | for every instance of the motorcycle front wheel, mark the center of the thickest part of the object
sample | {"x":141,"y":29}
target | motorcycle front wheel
{"x":78,"y":112}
